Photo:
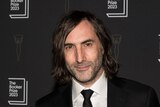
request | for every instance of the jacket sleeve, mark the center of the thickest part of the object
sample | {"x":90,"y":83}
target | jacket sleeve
{"x":152,"y":99}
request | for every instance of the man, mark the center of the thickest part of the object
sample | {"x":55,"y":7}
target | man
{"x":83,"y":63}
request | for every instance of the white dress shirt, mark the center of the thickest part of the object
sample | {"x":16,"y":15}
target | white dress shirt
{"x":98,"y":98}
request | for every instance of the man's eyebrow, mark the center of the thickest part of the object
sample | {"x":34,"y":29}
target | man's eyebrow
{"x":88,"y":40}
{"x":66,"y":44}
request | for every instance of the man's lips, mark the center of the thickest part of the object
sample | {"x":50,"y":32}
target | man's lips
{"x":82,"y":68}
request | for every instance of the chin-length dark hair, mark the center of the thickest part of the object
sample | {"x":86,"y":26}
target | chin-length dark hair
{"x":66,"y":25}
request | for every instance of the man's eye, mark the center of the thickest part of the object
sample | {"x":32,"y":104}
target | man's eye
{"x":68,"y":47}
{"x":88,"y":44}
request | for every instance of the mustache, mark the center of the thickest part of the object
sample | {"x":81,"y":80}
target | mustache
{"x":86,"y":63}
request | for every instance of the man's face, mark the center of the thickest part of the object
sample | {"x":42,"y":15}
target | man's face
{"x":83,"y":54}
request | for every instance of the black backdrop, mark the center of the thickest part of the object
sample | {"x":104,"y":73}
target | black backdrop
{"x":25,"y":46}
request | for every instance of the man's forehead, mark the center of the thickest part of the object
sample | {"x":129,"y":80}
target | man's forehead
{"x":82,"y":32}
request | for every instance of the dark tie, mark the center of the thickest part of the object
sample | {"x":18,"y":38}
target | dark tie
{"x":87,"y":95}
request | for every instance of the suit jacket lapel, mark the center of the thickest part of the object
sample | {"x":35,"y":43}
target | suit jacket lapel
{"x":116,"y":95}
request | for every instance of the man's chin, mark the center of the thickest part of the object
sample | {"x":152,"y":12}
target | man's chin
{"x":84,"y":80}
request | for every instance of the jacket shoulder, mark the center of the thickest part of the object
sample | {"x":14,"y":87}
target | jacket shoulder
{"x":131,"y":85}
{"x":137,"y":91}
{"x":60,"y":93}
{"x":45,"y":101}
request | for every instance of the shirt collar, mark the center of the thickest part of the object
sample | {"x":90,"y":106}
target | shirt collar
{"x":99,"y":87}
{"x":76,"y":89}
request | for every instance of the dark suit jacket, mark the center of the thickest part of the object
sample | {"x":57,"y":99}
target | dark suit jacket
{"x":121,"y":93}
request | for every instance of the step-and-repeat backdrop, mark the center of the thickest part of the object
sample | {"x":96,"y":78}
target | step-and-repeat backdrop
{"x":26,"y":28}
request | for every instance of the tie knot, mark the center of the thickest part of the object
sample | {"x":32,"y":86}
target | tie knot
{"x":87,"y":93}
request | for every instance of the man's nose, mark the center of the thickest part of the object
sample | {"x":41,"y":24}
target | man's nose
{"x":80,"y":55}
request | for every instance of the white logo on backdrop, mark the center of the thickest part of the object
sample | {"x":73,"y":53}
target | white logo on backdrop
{"x":18,"y":91}
{"x":19,"y":9}
{"x":115,"y":10}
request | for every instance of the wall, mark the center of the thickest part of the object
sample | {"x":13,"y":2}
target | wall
{"x":26,"y":28}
